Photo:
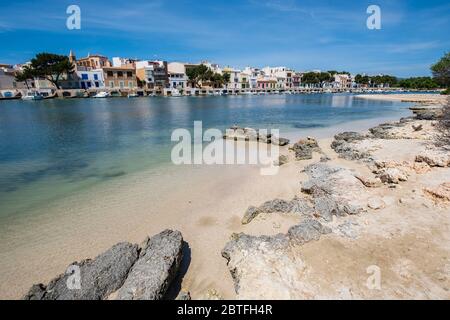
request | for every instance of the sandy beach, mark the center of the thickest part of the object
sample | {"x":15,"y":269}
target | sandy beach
{"x":408,"y":238}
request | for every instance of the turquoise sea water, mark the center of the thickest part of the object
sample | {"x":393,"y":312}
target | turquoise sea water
{"x":53,"y":148}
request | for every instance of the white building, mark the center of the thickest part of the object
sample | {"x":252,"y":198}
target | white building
{"x":123,"y":62}
{"x":342,"y":81}
{"x":92,"y":79}
{"x":283,"y":75}
{"x":153,"y":73}
{"x":252,"y":74}
{"x":177,"y":75}
{"x":236,"y":78}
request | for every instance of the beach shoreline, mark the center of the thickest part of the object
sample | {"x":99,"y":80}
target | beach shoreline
{"x":205,"y":203}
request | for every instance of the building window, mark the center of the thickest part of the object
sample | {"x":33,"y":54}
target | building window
{"x":109,"y":74}
{"x":130,"y":84}
{"x":120,"y":74}
{"x":84,"y":76}
{"x":121,"y":84}
{"x":129,"y":74}
{"x":89,"y":84}
{"x":97,"y":84}
{"x":111,"y":84}
{"x":95,"y":76}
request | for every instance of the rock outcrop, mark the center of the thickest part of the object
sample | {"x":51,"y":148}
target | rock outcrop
{"x":158,"y":263}
{"x":249,"y":134}
{"x":435,"y":157}
{"x":296,"y":206}
{"x":304,"y":148}
{"x":138,"y":273}
{"x":406,"y":128}
{"x":346,"y":145}
{"x":270,"y":261}
{"x":392,"y":171}
{"x":97,"y":278}
{"x":440,"y":193}
{"x":335,"y":191}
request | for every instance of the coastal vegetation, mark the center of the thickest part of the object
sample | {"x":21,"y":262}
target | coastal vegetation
{"x":27,"y":74}
{"x":441,"y":71}
{"x":50,"y":66}
{"x":201,"y":74}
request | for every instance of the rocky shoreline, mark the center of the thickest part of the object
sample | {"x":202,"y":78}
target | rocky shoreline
{"x":359,"y":194}
{"x":272,"y":267}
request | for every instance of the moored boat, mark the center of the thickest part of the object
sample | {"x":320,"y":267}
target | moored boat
{"x":102,"y":94}
{"x":32,"y":95}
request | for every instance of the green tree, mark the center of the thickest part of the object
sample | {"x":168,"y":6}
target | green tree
{"x":441,"y":70}
{"x":202,"y":74}
{"x":26,"y":74}
{"x":418,"y":83}
{"x":196,"y":74}
{"x":51,"y":67}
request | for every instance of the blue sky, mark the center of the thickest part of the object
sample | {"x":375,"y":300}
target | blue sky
{"x":302,"y":34}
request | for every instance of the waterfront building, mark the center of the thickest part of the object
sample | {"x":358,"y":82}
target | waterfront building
{"x":91,"y":62}
{"x":342,"y":81}
{"x":92,"y":79}
{"x":177,"y":75}
{"x":235,"y":78}
{"x":8,"y":79}
{"x":152,"y":74}
{"x":267,"y":83}
{"x":124,"y":62}
{"x":120,"y":78}
{"x":297,"y":80}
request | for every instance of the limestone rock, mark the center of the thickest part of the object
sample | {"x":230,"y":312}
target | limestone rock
{"x":279,"y":141}
{"x":304,"y":148}
{"x":392,"y":175}
{"x":282,"y":160}
{"x":435,"y":157}
{"x":335,"y":191}
{"x":348,"y":146}
{"x":151,"y":275}
{"x":296,"y":206}
{"x":392,"y":171}
{"x":251,"y":213}
{"x":270,"y":262}
{"x":368,"y":181}
{"x":350,"y":136}
{"x":307,"y":231}
{"x":98,"y":277}
{"x":440,"y":193}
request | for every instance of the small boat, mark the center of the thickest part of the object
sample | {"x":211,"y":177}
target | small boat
{"x":32,"y":95}
{"x":175,"y":93}
{"x":133,"y":95}
{"x":102,"y":94}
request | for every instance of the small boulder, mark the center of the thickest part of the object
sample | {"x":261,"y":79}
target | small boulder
{"x":304,"y":148}
{"x":157,"y":266}
{"x":251,"y":213}
{"x":98,"y":277}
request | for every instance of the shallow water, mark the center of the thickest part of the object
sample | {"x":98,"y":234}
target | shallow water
{"x":52,"y":148}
